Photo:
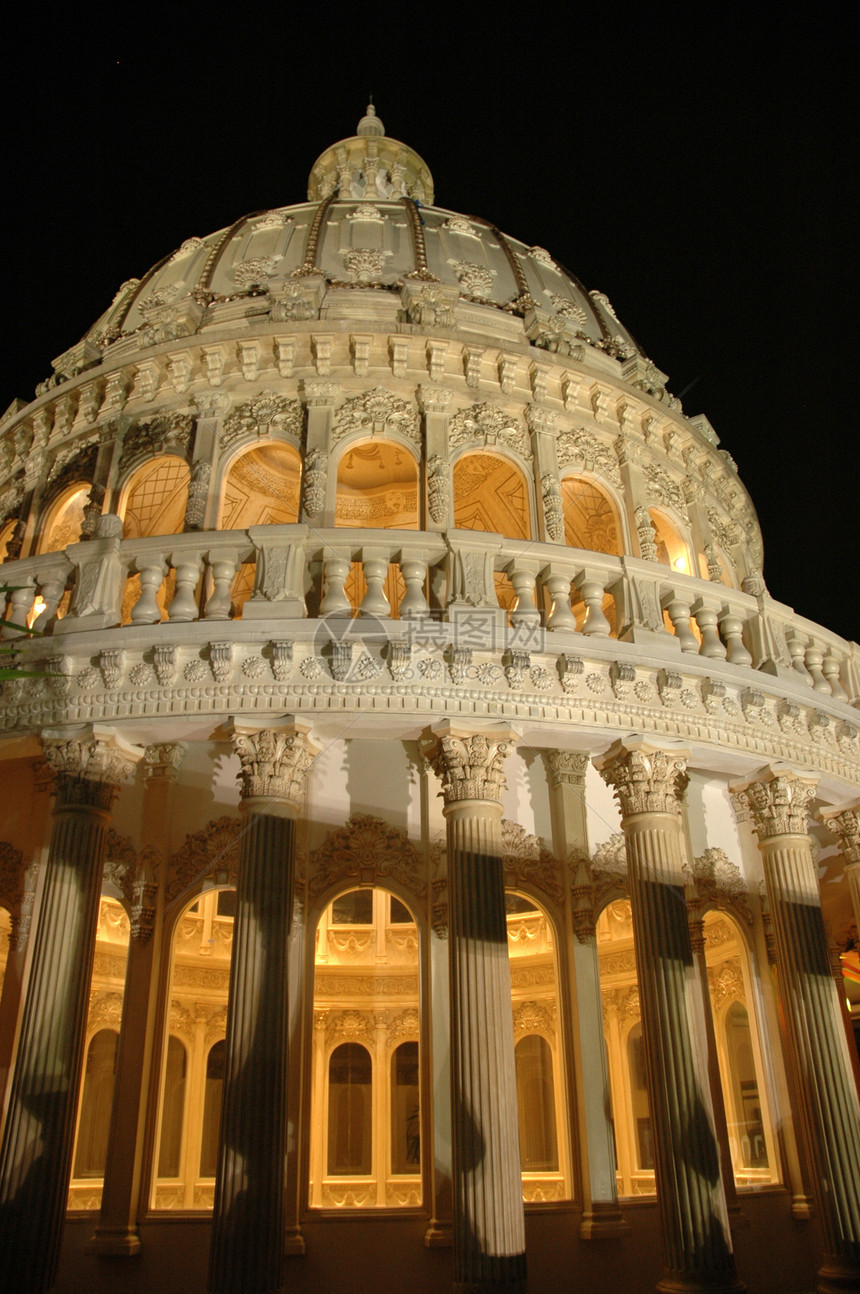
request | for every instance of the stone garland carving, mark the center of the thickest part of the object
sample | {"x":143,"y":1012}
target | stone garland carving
{"x":646,"y":534}
{"x":314,"y":483}
{"x":198,"y":494}
{"x":367,"y":850}
{"x":212,"y":852}
{"x":583,"y":449}
{"x":528,"y":861}
{"x":552,"y":508}
{"x":484,"y":424}
{"x":779,"y":804}
{"x":437,"y":489}
{"x":646,"y":780}
{"x":169,"y":432}
{"x":275,"y":762}
{"x":376,"y":410}
{"x":470,"y":767}
{"x":265,"y":414}
{"x":661,"y":487}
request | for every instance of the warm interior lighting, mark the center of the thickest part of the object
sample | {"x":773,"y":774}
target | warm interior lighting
{"x":35,"y":611}
{"x":680,"y":563}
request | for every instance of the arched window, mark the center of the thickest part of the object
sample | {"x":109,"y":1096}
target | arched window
{"x":212,"y":1109}
{"x":173,"y":1109}
{"x":490,"y":493}
{"x":619,"y":991}
{"x":671,"y":548}
{"x":590,"y":517}
{"x":5,"y":941}
{"x":538,"y":1050}
{"x":366,"y":1107}
{"x":377,"y":486}
{"x":192,"y":1060}
{"x":6,"y":534}
{"x":155,"y":497}
{"x":96,"y":1102}
{"x":262,"y":488}
{"x":62,"y":524}
{"x":751,"y":1139}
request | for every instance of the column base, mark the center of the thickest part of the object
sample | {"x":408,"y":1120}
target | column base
{"x":802,"y":1208}
{"x":603,"y":1224}
{"x":439,"y":1235}
{"x":700,"y":1283}
{"x":836,"y":1277}
{"x":114,"y":1242}
{"x":490,"y":1287}
{"x":738,"y":1220}
{"x":294,"y":1241}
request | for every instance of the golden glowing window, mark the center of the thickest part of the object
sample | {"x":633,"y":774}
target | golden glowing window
{"x":671,"y":549}
{"x":590,"y":518}
{"x":5,"y":535}
{"x":262,"y":488}
{"x":490,"y":494}
{"x":366,"y":1114}
{"x":155,"y":498}
{"x":377,"y":486}
{"x":64,"y":520}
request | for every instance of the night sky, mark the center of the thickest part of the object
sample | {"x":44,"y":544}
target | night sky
{"x":702,"y":174}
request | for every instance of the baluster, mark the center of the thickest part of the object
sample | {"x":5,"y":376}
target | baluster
{"x":414,"y":572}
{"x":731,"y":627}
{"x":558,"y":585}
{"x":813,"y":657}
{"x":796,"y":650}
{"x":679,"y":613}
{"x":223,"y":569}
{"x":706,"y":619}
{"x":184,"y":604}
{"x":830,"y":669}
{"x":51,"y":590}
{"x":336,"y":573}
{"x":522,"y":575}
{"x":590,"y":585}
{"x":146,"y":610}
{"x":374,"y":602}
{"x":20,"y":604}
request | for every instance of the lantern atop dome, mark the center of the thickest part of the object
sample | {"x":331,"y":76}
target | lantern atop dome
{"x":370,"y":166}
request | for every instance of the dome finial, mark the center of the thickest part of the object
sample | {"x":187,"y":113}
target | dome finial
{"x":370,"y":124}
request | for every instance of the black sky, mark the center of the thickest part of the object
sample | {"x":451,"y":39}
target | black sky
{"x":702,"y":173}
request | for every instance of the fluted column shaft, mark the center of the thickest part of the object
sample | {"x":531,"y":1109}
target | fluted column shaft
{"x":117,"y":1229}
{"x":697,"y":1249}
{"x":779,"y":799}
{"x":489,"y":1225}
{"x":36,"y":1154}
{"x":249,"y":1222}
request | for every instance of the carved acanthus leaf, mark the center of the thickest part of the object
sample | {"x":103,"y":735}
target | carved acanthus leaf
{"x":367,"y":850}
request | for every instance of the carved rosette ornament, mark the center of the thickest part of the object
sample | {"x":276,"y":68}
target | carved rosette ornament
{"x":470,"y":764}
{"x":778,"y":800}
{"x":89,"y":768}
{"x":275,"y":761}
{"x":646,"y":779}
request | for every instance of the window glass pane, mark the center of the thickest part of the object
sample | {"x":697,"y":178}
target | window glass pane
{"x":96,"y":1102}
{"x":405,"y":1111}
{"x":212,"y":1110}
{"x":536,"y":1103}
{"x":399,"y":914}
{"x":170,"y":1144}
{"x":353,"y":909}
{"x":350,"y":1112}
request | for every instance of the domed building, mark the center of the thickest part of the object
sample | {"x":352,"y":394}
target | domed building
{"x":426,"y":847}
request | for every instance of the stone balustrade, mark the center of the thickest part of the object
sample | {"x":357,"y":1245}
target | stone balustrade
{"x":297,"y":572}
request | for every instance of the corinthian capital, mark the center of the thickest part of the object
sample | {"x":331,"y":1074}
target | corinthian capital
{"x":646,"y":778}
{"x":844,"y":821}
{"x":468,"y":762}
{"x":778,"y":799}
{"x":162,"y":761}
{"x":275,"y":760}
{"x":565,"y":766}
{"x":90,"y":763}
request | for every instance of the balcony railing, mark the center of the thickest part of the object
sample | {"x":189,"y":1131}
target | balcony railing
{"x":280,"y":573}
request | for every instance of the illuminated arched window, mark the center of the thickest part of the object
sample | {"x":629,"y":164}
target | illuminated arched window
{"x":366,"y":1108}
{"x":671,"y":548}
{"x":155,"y":497}
{"x":537,"y":1050}
{"x":5,"y":942}
{"x":751,"y":1139}
{"x":715,"y":555}
{"x":590,"y":518}
{"x":262,"y":489}
{"x":490,"y":493}
{"x":377,"y":486}
{"x":62,"y":524}
{"x":96,"y":1102}
{"x":192,"y":1060}
{"x":6,"y":534}
{"x":619,"y":991}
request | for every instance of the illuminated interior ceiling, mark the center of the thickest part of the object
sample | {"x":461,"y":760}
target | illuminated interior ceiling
{"x":377,"y":485}
{"x":590,"y":520}
{"x":155,"y":503}
{"x":262,"y":488}
{"x":490,"y":494}
{"x":64,"y":526}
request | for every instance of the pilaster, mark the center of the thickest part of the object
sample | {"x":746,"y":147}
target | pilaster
{"x":779,"y":799}
{"x":649,"y":783}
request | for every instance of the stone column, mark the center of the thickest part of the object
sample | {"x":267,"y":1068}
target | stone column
{"x":601,"y":1217}
{"x":35,"y":1159}
{"x":117,"y":1229}
{"x":697,"y":1248}
{"x":489,"y":1225}
{"x":249,"y":1222}
{"x":779,"y":799}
